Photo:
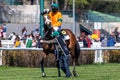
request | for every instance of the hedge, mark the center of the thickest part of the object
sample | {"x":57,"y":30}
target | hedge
{"x":29,"y":58}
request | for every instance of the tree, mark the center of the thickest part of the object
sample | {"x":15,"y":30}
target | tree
{"x":104,"y":6}
{"x":66,"y":3}
{"x":79,"y":3}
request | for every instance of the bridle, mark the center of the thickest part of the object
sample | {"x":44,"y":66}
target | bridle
{"x":47,"y":26}
{"x":47,"y":20}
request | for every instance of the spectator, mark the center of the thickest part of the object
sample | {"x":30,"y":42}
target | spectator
{"x":29,"y":41}
{"x":34,"y":43}
{"x":12,"y":36}
{"x":80,"y":38}
{"x":0,"y":43}
{"x":104,"y":42}
{"x":23,"y":44}
{"x":17,"y":42}
{"x":36,"y":32}
{"x":89,"y":42}
{"x":32,"y":1}
{"x":32,"y":35}
{"x":38,"y":41}
{"x":111,"y":41}
{"x":24,"y":33}
{"x":102,"y":37}
{"x":116,"y":33}
{"x":85,"y":44}
{"x":4,"y":30}
{"x":118,"y":39}
{"x":1,"y":32}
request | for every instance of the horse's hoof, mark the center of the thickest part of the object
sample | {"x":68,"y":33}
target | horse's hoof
{"x":75,"y":74}
{"x":43,"y":75}
{"x":59,"y":75}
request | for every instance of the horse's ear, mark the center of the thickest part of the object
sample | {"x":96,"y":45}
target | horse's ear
{"x":47,"y":11}
{"x":42,"y":13}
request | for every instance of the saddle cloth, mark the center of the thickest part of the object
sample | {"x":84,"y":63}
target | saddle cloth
{"x":66,"y":37}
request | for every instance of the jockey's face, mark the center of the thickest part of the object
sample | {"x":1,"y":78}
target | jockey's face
{"x":54,"y":9}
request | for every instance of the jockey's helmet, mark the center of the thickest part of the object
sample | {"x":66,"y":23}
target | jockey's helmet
{"x":54,"y":7}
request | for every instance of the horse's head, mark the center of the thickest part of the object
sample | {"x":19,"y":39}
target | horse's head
{"x":47,"y":20}
{"x":46,"y":17}
{"x":47,"y":24}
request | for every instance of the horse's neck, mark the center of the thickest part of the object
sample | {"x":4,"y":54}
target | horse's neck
{"x":47,"y":36}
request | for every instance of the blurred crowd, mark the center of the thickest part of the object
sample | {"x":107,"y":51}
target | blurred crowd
{"x":105,"y":40}
{"x":33,"y":39}
{"x":24,"y":41}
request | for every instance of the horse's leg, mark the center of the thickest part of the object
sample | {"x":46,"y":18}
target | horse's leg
{"x":58,"y":67}
{"x":75,"y":58}
{"x":42,"y":68}
{"x":73,"y":62}
{"x":74,"y":70}
{"x":42,"y":65}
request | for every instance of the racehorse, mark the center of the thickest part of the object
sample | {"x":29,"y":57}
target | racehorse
{"x":72,"y":45}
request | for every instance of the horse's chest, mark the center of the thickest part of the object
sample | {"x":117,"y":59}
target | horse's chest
{"x":48,"y":46}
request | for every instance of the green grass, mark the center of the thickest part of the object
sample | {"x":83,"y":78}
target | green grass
{"x":109,"y":71}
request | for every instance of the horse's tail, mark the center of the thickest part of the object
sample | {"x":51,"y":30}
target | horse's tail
{"x":77,"y":51}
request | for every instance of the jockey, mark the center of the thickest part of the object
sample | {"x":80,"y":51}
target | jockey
{"x":56,"y":19}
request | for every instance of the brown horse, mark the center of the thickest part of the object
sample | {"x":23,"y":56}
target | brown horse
{"x":72,"y":45}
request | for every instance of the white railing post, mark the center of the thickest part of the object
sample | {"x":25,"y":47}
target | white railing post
{"x":98,"y":56}
{"x":98,"y":53}
{"x":0,"y":57}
